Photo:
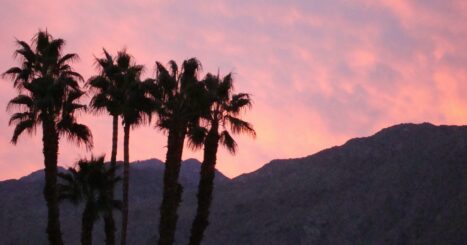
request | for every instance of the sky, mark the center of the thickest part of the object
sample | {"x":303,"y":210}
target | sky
{"x":320,"y":72}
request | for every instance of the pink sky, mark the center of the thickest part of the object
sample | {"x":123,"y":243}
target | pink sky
{"x":320,"y":72}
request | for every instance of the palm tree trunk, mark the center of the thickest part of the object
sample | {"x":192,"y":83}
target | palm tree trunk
{"x":126,"y":182}
{"x":172,"y":193}
{"x":113,"y":157}
{"x":50,"y":151}
{"x":109,"y":221}
{"x":205,"y":187}
{"x":87,"y":225}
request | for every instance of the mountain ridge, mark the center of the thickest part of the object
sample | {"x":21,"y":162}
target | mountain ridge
{"x":405,"y":184}
{"x":137,"y":164}
{"x":151,"y":161}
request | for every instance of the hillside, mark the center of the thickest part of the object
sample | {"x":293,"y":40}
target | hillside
{"x":406,"y":184}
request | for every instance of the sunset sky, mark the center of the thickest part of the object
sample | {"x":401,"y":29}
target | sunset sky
{"x":320,"y":72}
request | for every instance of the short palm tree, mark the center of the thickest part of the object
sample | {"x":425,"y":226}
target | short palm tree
{"x":107,"y":88}
{"x":137,"y":108}
{"x":48,"y":96}
{"x":90,"y":183}
{"x":224,"y":113}
{"x":181,"y":101}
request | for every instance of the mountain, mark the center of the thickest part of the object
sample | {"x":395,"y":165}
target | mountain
{"x":406,"y":184}
{"x":23,"y":210}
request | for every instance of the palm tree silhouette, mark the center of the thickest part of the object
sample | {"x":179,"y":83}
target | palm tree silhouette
{"x":90,"y":183}
{"x":137,"y":108}
{"x":180,"y":94}
{"x":224,"y":113}
{"x":108,"y":97}
{"x":48,"y":95}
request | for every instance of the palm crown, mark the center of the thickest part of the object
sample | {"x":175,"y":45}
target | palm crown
{"x":225,"y":109}
{"x":179,"y":92}
{"x":119,"y":90}
{"x":90,"y":182}
{"x":138,"y":105}
{"x":48,"y":89}
{"x":107,"y":86}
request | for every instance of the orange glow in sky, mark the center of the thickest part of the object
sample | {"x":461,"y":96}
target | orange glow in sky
{"x":320,"y":72}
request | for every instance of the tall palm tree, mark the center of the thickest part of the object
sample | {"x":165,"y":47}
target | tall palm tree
{"x":180,"y":94}
{"x":137,"y":107}
{"x":224,"y":113}
{"x":107,"y":89}
{"x":48,"y":95}
{"x":90,"y":183}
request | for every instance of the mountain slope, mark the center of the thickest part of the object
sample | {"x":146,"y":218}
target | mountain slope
{"x":23,"y":212}
{"x":407,"y":184}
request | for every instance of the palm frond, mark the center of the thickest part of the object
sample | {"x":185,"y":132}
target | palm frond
{"x":21,"y":116}
{"x":98,"y":82}
{"x":191,"y":67}
{"x":101,"y":102}
{"x":25,"y":51}
{"x":196,"y":136}
{"x":55,"y":48}
{"x":107,"y":55}
{"x":73,"y":75}
{"x":238,"y":103}
{"x":211,"y":82}
{"x":68,"y":58}
{"x":123,"y":59}
{"x":228,"y":142}
{"x":22,"y":101}
{"x":21,"y":126}
{"x":13,"y":72}
{"x":69,"y":186}
{"x":239,"y":126}
{"x":225,"y":87}
{"x":173,"y":68}
{"x":20,"y":76}
{"x":77,"y":132}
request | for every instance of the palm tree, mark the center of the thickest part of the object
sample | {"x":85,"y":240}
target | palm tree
{"x":48,"y":95}
{"x":107,"y":88}
{"x":137,"y":107}
{"x":90,"y":183}
{"x":180,"y":94}
{"x":224,"y":113}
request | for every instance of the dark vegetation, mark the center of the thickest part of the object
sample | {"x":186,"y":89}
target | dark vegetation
{"x":186,"y":107}
{"x":48,"y":96}
{"x":90,"y":183}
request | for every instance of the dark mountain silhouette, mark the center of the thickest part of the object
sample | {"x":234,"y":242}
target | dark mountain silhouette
{"x":23,"y":210}
{"x":407,"y":184}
